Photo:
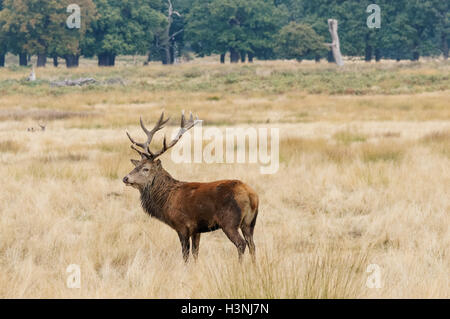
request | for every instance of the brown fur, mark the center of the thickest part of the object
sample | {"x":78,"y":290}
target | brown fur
{"x":195,"y":208}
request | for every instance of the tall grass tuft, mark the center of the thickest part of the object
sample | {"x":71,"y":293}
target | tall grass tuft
{"x":386,"y":152}
{"x":347,"y":137}
{"x":10,"y":146}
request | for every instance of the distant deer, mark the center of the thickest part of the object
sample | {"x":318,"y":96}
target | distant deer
{"x":192,"y":208}
{"x":41,"y":128}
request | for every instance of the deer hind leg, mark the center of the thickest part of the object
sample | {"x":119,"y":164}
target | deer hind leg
{"x":185,"y":246}
{"x":247,"y":231}
{"x":236,"y":238}
{"x":248,"y":227}
{"x":195,"y":245}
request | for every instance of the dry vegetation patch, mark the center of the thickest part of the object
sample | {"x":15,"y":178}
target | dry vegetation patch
{"x":384,"y":151}
{"x":10,"y":146}
{"x":438,"y":141}
{"x":363,"y":179}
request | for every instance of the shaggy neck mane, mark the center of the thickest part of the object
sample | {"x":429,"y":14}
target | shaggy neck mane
{"x":155,"y":194}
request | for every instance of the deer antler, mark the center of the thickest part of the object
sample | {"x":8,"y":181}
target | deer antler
{"x":185,"y":126}
{"x":147,"y":153}
{"x":146,"y":145}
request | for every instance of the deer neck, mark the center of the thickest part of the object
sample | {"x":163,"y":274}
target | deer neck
{"x":155,"y":195}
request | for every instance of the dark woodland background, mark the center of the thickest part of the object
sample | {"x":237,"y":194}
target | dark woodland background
{"x":168,"y":31}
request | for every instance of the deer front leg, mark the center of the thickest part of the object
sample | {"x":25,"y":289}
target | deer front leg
{"x":195,"y":245}
{"x":185,"y":245}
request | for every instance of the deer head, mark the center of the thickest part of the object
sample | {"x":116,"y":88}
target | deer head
{"x":149,"y":166}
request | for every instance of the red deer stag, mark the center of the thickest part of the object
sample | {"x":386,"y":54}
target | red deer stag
{"x":192,"y":208}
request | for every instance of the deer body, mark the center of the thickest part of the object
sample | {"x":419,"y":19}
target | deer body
{"x":194,"y":208}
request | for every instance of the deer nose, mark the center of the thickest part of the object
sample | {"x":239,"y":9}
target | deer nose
{"x":125,"y":179}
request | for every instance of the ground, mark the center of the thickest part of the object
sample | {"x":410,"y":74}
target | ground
{"x":364,"y":180}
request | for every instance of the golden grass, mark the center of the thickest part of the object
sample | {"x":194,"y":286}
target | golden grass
{"x":362,"y":181}
{"x":230,"y":94}
{"x":348,"y":137}
{"x":386,"y":151}
{"x":9,"y":146}
{"x":438,"y":141}
{"x":323,"y":221}
{"x":437,"y":137}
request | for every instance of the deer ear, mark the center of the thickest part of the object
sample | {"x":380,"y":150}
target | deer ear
{"x":135,"y":163}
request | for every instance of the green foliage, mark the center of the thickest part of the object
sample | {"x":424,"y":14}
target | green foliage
{"x":409,"y":28}
{"x":39,"y":26}
{"x":124,"y":26}
{"x":3,"y":39}
{"x":297,"y":41}
{"x":216,"y":26}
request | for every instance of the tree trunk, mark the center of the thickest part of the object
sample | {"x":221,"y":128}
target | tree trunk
{"x":106,"y":59}
{"x":368,"y":54}
{"x":72,"y":60}
{"x":415,"y":55}
{"x":23,"y":61}
{"x":415,"y":51}
{"x":167,"y":59}
{"x":367,"y":49}
{"x":169,"y":56}
{"x":175,"y":54}
{"x":317,"y":58}
{"x":222,"y":58}
{"x":55,"y":61}
{"x":444,"y":46}
{"x":335,"y":45}
{"x":172,"y":53}
{"x":2,"y":60}
{"x":330,"y":57}
{"x":378,"y":55}
{"x":250,"y":58}
{"x":243,"y":56}
{"x":41,"y":60}
{"x":234,"y":55}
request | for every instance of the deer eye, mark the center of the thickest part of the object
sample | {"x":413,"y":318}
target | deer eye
{"x":145,"y":169}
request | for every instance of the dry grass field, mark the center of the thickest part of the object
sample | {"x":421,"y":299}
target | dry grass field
{"x":364,"y":179}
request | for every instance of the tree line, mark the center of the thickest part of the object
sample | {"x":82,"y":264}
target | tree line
{"x":165,"y":30}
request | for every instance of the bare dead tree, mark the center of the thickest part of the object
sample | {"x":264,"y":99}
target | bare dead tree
{"x":168,"y":38}
{"x":335,"y":45}
{"x":32,"y":76}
